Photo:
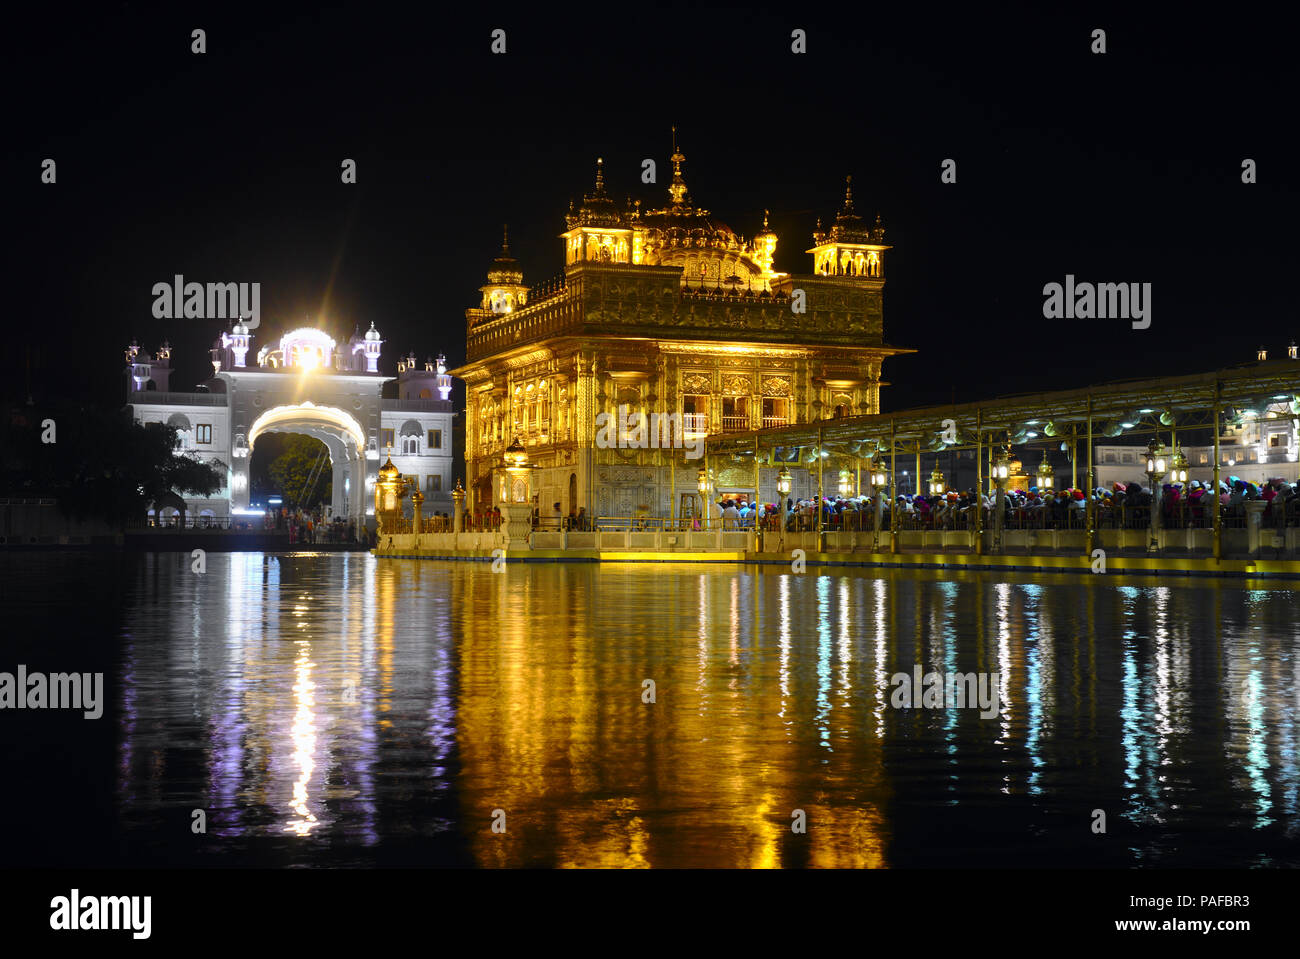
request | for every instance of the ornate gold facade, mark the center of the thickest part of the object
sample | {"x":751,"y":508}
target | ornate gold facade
{"x":670,"y":312}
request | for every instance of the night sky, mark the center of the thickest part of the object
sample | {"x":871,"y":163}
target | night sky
{"x":1122,"y":167}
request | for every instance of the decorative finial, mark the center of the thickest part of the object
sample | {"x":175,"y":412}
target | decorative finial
{"x":600,"y":175}
{"x":505,"y":239}
{"x":677,"y":189}
{"x":765,"y":219}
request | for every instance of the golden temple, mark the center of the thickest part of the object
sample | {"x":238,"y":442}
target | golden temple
{"x":667,"y":312}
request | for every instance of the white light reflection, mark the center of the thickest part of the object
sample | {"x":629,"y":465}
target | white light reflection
{"x":1257,"y":747}
{"x":1163,"y":686}
{"x":304,"y":741}
{"x":1003,"y":591}
{"x":785,"y":647}
{"x":882,"y":646}
{"x":948,"y":658}
{"x":845,"y":651}
{"x":823,"y":659}
{"x":1038,"y":647}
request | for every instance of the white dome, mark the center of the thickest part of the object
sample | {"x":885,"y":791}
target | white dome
{"x":372,"y":333}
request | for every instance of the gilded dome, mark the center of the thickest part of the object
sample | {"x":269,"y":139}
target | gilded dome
{"x":849,"y":227}
{"x":505,"y":269}
{"x":597,"y":208}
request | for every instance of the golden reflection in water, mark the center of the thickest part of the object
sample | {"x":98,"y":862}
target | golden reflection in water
{"x":544,"y":702}
{"x":553,"y":731}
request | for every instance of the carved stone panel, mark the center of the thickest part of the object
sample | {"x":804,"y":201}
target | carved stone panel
{"x":696,"y":383}
{"x":737,"y":385}
{"x":776,"y":386}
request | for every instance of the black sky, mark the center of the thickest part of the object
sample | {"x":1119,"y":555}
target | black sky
{"x":225,"y":167}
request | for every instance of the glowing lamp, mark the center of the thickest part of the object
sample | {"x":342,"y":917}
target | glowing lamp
{"x":388,"y":489}
{"x":1002,"y":465}
{"x":1155,"y":460}
{"x":1178,"y":467}
{"x":1046,"y":478}
{"x":516,"y":456}
{"x":704,"y":481}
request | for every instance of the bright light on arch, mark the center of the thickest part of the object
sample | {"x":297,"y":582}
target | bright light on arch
{"x":308,"y":413}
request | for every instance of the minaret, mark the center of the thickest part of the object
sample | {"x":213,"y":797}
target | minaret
{"x":415,"y":382}
{"x":238,"y":341}
{"x":505,"y":291}
{"x":677,"y":189}
{"x":373,"y":343}
{"x":444,"y":379}
{"x":597,"y":230}
{"x":161,"y":373}
{"x":851,"y":248}
{"x":137,"y":369}
{"x":764,"y":247}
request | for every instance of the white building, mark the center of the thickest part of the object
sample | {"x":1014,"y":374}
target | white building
{"x":309,"y":384}
{"x":1257,"y":445}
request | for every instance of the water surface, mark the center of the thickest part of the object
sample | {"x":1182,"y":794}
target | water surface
{"x":335,"y":709}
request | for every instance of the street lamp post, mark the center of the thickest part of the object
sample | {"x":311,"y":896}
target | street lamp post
{"x":1155,"y":472}
{"x":388,"y":499}
{"x":704,"y":483}
{"x":458,"y":504}
{"x":1001,"y":470}
{"x":879,"y":490}
{"x":516,"y":494}
{"x":937,"y":482}
{"x":845,"y":490}
{"x":783,"y":490}
{"x":1046,"y":477}
{"x":1178,"y":474}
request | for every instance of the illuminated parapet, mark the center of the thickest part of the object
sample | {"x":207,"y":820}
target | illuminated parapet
{"x":850,"y":248}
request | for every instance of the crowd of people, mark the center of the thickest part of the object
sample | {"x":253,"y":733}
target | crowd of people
{"x":1123,"y":505}
{"x":312,"y":526}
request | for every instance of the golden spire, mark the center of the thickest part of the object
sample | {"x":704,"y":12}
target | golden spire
{"x":848,"y":195}
{"x":505,"y":239}
{"x":600,"y":176}
{"x":677,"y":190}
